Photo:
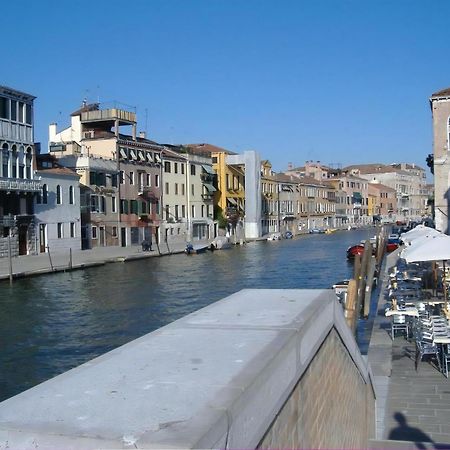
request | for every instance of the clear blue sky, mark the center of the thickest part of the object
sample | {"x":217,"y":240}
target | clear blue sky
{"x":336,"y":81}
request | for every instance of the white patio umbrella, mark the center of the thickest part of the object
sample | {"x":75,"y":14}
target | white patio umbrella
{"x":432,"y":248}
{"x":428,"y":248}
{"x":418,"y":232}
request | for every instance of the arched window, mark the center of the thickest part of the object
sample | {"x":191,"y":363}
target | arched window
{"x":58,"y":195}
{"x":14,"y":156}
{"x":5,"y":160}
{"x":71,"y":196}
{"x":44,"y":194}
{"x":28,"y":161}
{"x":21,"y":162}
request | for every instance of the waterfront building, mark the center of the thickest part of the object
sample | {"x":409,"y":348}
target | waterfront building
{"x":18,"y":184}
{"x":270,"y":217}
{"x":57,"y":207}
{"x":187,"y":195}
{"x":175,"y":211}
{"x":317,"y":206}
{"x":440,"y":112}
{"x":121,"y":173}
{"x":385,"y":202}
{"x":408,"y":180}
{"x":238,"y":196}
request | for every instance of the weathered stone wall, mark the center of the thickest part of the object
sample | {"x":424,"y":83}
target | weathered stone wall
{"x":4,"y":247}
{"x":330,"y":407}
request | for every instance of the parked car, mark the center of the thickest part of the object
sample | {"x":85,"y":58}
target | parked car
{"x":288,"y":235}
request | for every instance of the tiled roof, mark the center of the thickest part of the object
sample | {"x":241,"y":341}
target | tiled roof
{"x":442,"y":93}
{"x":59,"y":171}
{"x":209,"y":148}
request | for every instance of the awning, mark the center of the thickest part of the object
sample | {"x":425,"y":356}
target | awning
{"x":357,"y":195}
{"x":133,"y":154}
{"x":232,"y":201}
{"x":123,"y":153}
{"x":141,"y":155}
{"x":149,"y":157}
{"x":209,"y":169}
{"x":157,"y":157}
{"x":210,"y":187}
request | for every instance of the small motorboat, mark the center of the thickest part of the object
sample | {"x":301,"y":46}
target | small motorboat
{"x":195,"y":249}
{"x":355,"y":250}
{"x":220,"y":243}
{"x":274,"y":237}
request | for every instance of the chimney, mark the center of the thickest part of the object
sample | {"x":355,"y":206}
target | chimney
{"x":52,"y":132}
{"x":142,"y":134}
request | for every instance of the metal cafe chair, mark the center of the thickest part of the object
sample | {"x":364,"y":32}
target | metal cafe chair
{"x":426,"y":347}
{"x":399,"y":323}
{"x":445,"y":359}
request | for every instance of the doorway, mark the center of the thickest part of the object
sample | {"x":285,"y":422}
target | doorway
{"x":123,"y":237}
{"x":42,"y":237}
{"x":102,"y":237}
{"x":23,"y":245}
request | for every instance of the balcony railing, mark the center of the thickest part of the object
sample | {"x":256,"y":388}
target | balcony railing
{"x":15,"y":184}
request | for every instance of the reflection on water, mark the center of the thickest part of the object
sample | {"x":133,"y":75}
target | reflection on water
{"x":52,"y":323}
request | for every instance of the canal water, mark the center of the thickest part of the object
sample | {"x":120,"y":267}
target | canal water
{"x":51,"y":323}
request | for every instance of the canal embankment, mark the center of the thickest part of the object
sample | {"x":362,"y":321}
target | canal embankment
{"x":65,"y":260}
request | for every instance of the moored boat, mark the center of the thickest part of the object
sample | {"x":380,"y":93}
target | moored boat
{"x":355,"y":250}
{"x":195,"y":249}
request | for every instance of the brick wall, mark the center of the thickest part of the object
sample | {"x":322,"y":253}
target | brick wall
{"x":330,"y":407}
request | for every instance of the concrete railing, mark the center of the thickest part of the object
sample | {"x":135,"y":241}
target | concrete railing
{"x":261,"y":368}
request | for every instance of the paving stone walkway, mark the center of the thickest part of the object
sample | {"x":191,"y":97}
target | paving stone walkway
{"x":412,"y":405}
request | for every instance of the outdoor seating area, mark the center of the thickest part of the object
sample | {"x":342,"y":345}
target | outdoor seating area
{"x":418,"y":300}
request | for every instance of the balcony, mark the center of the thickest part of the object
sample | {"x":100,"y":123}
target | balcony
{"x":20,"y":185}
{"x":207,"y":197}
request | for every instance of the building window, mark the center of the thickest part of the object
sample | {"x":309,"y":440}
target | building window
{"x":59,"y":227}
{"x":192,"y":190}
{"x":182,"y":189}
{"x":182,"y":168}
{"x":156,"y":180}
{"x":203,"y":210}
{"x":123,"y":206}
{"x":183,"y":211}
{"x":176,"y":188}
{"x":176,"y":212}
{"x":175,"y":167}
{"x":58,"y":195}
{"x":167,"y":189}
{"x":114,"y":232}
{"x":193,"y":169}
{"x":134,"y":207}
{"x":167,"y":166}
{"x":131,"y":177}
{"x":72,"y":229}
{"x":114,"y":180}
{"x":122,"y":177}
{"x":167,"y":212}
{"x":149,"y":179}
{"x":71,"y":196}
{"x":193,"y":211}
{"x":44,"y":194}
{"x":98,"y":204}
{"x":94,"y":232}
{"x":113,"y":204}
{"x":5,"y":160}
